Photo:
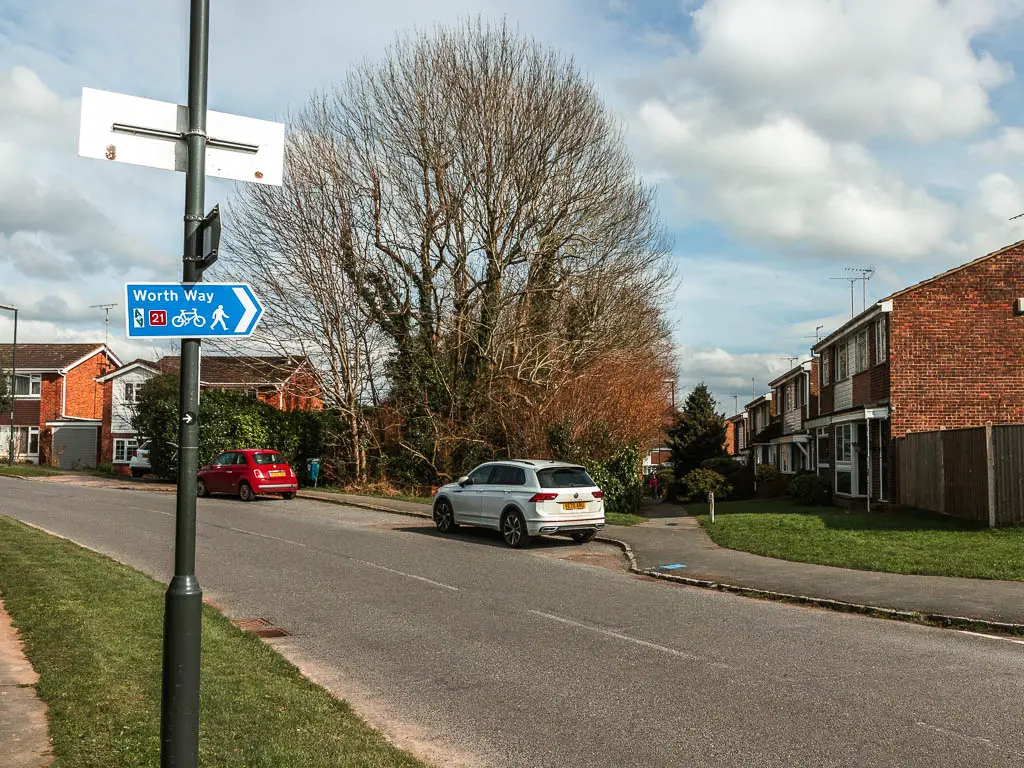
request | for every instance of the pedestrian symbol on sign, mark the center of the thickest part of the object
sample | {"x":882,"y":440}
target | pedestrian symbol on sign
{"x":139,"y":318}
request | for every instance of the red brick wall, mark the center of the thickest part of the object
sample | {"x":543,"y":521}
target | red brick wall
{"x":51,"y":392}
{"x":956,"y":349}
{"x":730,"y":438}
{"x":106,"y":438}
{"x":85,"y":396}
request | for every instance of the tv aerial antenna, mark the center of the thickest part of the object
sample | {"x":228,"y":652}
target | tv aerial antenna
{"x":106,"y":319}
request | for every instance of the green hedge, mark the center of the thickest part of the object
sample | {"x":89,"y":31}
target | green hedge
{"x":229,"y":420}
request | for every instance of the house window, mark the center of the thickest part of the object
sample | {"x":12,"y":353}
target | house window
{"x":798,"y":400}
{"x":26,"y":441}
{"x":124,"y":449}
{"x":132,"y":392}
{"x":826,"y":366}
{"x":842,"y":367}
{"x":861,"y":361}
{"x":28,"y":386}
{"x":785,"y":459}
{"x":881,"y":341}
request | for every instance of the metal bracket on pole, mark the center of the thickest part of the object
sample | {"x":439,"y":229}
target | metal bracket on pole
{"x":157,"y":133}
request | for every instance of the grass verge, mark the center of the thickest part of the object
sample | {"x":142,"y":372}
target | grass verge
{"x":904,"y":541}
{"x":27,"y":470}
{"x":372,"y":494}
{"x":93,"y":631}
{"x":623,"y":518}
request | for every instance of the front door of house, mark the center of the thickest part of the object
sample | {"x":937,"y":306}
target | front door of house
{"x":861,"y":450}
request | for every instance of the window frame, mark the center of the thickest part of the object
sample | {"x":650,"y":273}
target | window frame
{"x":35,"y":382}
{"x":862,"y":351}
{"x":129,"y":450}
{"x":881,"y":340}
{"x":842,"y":361}
{"x":135,"y":387}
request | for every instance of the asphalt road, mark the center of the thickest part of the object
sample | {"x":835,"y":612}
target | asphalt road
{"x":473,"y":654}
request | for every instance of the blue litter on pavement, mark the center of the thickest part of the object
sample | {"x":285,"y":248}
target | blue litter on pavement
{"x":670,"y":567}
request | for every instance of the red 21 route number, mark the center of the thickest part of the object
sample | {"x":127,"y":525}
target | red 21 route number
{"x":158,"y":317}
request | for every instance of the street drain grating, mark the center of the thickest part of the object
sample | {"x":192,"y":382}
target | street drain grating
{"x":261,"y":627}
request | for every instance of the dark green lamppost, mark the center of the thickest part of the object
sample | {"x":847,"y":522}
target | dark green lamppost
{"x":179,"y":732}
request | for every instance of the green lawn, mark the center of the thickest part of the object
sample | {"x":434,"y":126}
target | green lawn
{"x":92,"y":630}
{"x":907,"y":541}
{"x":27,"y":470}
{"x":623,"y":518}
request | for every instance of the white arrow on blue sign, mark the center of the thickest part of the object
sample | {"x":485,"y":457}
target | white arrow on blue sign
{"x":190,"y":310}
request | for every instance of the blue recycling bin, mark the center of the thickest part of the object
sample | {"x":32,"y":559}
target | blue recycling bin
{"x":313,"y":468}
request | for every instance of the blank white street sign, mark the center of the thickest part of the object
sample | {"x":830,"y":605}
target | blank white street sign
{"x":260,"y":162}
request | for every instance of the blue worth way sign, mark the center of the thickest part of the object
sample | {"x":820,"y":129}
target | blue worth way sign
{"x":190,"y":310}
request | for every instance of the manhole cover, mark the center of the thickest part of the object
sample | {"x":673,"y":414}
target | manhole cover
{"x":261,"y":627}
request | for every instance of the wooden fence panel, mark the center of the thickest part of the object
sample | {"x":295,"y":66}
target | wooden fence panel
{"x":919,"y":480}
{"x":965,"y":473}
{"x":1008,"y":445}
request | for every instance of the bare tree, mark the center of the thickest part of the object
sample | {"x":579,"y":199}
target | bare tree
{"x":466,"y":211}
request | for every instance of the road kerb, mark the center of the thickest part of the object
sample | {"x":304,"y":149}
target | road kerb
{"x":364,"y":505}
{"x":894,"y":614}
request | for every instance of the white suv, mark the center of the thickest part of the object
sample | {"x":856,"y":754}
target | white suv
{"x":139,"y":462}
{"x":523,"y":499}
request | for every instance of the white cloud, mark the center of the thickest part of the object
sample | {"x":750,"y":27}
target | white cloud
{"x":860,"y":68}
{"x":778,"y":179}
{"x":1007,"y":145}
{"x":732,"y":378}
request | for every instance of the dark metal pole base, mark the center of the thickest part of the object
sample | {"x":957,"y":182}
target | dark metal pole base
{"x":183,"y":616}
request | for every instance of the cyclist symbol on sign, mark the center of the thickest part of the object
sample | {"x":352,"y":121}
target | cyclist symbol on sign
{"x":188,"y":317}
{"x":219,"y":316}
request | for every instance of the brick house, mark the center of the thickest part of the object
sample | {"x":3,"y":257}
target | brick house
{"x":736,"y":436}
{"x":795,"y":394}
{"x":942,"y":354}
{"x":762,"y":427}
{"x":58,"y":405}
{"x":289,"y":384}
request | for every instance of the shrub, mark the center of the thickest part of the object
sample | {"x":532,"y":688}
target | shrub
{"x":765,"y":473}
{"x":701,"y":482}
{"x":811,"y":489}
{"x":724,"y":466}
{"x":105,"y":466}
{"x":619,"y":478}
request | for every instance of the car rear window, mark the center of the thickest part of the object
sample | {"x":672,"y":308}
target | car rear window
{"x":564,"y":477}
{"x":268,"y":458}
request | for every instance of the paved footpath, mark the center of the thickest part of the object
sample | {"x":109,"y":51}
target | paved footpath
{"x":24,"y":740}
{"x":681,"y":542}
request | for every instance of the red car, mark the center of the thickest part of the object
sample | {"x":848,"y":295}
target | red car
{"x":248,"y":472}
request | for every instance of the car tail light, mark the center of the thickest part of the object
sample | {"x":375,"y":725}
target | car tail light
{"x":258,"y":473}
{"x":598,"y":494}
{"x":544,"y":497}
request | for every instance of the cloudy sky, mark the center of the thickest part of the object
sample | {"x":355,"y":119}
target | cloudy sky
{"x":789,"y":139}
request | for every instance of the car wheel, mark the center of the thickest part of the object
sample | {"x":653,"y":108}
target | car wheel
{"x":201,"y":490}
{"x":245,"y":492}
{"x":582,"y":537}
{"x":288,"y":496}
{"x":513,"y":529}
{"x":138,"y":472}
{"x":444,"y":517}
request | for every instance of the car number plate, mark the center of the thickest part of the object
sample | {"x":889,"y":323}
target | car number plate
{"x":573,"y":505}
{"x":277,"y":473}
